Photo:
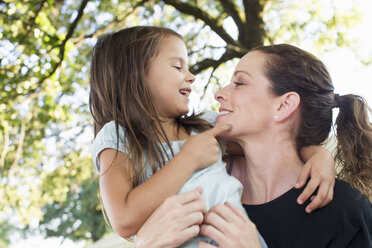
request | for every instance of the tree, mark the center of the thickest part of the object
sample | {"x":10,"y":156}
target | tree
{"x":78,"y":217}
{"x":45,"y":126}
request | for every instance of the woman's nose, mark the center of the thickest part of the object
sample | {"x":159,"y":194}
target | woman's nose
{"x":219,"y":95}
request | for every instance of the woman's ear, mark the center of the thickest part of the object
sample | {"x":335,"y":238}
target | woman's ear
{"x":287,"y":106}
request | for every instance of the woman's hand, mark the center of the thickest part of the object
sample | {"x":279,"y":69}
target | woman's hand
{"x":229,"y":227}
{"x":320,"y":166}
{"x":174,"y":222}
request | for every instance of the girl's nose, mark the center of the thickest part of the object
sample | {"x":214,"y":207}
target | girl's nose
{"x":190,"y":78}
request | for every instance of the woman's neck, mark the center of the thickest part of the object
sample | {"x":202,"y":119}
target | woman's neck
{"x":272,"y":168}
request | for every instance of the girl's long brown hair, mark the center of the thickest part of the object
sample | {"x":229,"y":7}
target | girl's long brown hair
{"x":118,"y":92}
{"x":292,"y":69}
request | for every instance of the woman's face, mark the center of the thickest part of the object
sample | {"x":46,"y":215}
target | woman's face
{"x":247,"y":103}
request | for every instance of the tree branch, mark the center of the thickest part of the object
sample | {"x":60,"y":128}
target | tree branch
{"x":231,"y":9}
{"x":186,"y":8}
{"x":253,"y":32}
{"x":78,"y":40}
{"x":62,"y":46}
{"x":206,"y":63}
{"x":23,"y":105}
{"x":32,"y":21}
{"x":6,"y":146}
{"x":20,"y":143}
{"x":209,"y":81}
{"x":113,"y":23}
{"x":204,"y":47}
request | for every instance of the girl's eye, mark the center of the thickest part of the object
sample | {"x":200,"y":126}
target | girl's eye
{"x":178,"y":67}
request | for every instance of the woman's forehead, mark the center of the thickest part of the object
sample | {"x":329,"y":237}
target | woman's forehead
{"x":250,"y":63}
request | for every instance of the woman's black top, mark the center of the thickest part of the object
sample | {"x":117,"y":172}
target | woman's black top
{"x":345,"y":222}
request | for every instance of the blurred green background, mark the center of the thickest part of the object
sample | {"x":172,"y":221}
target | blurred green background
{"x":48,"y":185}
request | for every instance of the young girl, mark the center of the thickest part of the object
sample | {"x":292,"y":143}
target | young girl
{"x":145,"y":148}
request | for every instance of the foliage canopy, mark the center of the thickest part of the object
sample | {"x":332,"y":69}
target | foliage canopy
{"x":46,"y":174}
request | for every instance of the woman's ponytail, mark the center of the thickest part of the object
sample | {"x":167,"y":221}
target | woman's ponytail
{"x":354,"y":142}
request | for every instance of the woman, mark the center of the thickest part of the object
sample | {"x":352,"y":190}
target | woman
{"x":281,"y":99}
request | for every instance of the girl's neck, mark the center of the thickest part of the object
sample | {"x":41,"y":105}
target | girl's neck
{"x":173,"y":130}
{"x":272,"y":168}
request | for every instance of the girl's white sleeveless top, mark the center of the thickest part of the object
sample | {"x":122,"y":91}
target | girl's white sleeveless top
{"x":218,"y":187}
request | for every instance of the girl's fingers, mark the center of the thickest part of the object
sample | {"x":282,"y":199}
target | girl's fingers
{"x":330,"y":195}
{"x":304,"y":175}
{"x":321,"y":196}
{"x":309,"y":190}
{"x":218,"y":129}
{"x":328,"y":198}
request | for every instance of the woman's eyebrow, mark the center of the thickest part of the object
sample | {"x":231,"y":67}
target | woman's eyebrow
{"x":244,"y":72}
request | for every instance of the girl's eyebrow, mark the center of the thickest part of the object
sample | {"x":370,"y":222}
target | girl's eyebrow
{"x":177,"y":58}
{"x":181,"y":60}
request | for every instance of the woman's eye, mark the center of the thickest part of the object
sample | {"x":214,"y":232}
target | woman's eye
{"x":178,"y":67}
{"x":238,"y":84}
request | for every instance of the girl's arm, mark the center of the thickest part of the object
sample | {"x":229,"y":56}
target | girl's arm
{"x":128,"y":208}
{"x":320,"y":167}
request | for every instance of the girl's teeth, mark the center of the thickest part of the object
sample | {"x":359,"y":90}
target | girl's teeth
{"x":224,"y":112}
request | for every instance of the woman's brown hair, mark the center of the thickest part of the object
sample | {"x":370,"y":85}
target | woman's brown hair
{"x":119,"y":93}
{"x":291,"y":69}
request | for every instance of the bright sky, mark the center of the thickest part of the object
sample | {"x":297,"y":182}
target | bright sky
{"x":348,"y":74}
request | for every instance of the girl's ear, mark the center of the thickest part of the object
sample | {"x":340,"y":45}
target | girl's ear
{"x":286,"y":106}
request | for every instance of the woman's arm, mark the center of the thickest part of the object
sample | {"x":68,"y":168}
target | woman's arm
{"x":128,"y":207}
{"x":229,"y":227}
{"x":174,"y":222}
{"x":320,"y":167}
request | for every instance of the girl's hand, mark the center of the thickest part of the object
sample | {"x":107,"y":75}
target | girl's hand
{"x":320,"y":166}
{"x":229,"y":227}
{"x":202,"y":150}
{"x":174,"y":222}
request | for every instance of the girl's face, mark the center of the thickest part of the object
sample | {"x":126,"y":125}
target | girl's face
{"x":169,"y":79}
{"x":247,"y":103}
